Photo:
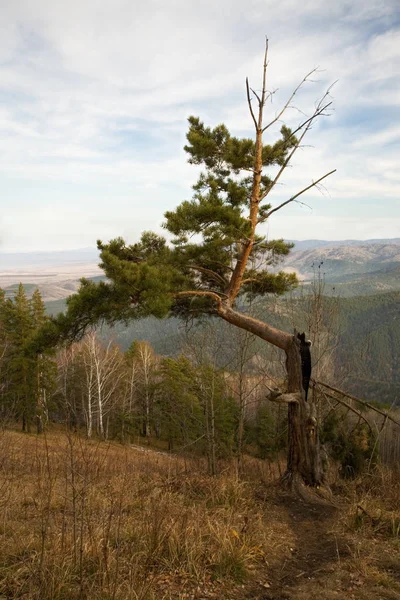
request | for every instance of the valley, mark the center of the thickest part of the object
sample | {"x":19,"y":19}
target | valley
{"x":362,"y":278}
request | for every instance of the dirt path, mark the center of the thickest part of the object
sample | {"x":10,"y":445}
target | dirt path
{"x":314,"y":553}
{"x":321,"y":563}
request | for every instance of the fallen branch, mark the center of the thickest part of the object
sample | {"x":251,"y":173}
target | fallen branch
{"x":362,"y":402}
{"x":347,"y":405}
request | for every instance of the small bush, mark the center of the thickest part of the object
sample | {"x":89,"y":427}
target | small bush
{"x":355,"y":450}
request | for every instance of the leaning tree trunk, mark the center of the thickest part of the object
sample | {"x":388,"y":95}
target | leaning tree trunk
{"x":304,"y":461}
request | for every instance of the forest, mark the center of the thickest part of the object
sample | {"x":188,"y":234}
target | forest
{"x":139,"y":475}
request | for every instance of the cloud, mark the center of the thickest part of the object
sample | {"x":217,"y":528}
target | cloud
{"x":94,"y":98}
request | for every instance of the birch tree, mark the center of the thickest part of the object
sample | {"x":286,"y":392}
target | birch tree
{"x":104,"y":373}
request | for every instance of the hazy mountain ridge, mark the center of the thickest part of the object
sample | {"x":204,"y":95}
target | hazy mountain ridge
{"x":362,"y":268}
{"x":344,"y":261}
{"x":91,"y":254}
{"x":57,"y":273}
{"x":314,"y":244}
{"x":49,"y":292}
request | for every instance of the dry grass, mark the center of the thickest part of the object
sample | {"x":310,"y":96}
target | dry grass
{"x":86,"y":520}
{"x":82,"y":519}
{"x":370,"y":518}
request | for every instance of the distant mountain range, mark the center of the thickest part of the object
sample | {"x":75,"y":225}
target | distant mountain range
{"x":9,"y":260}
{"x":349,"y":267}
{"x":312,"y":244}
{"x":344,"y":261}
{"x":56,"y":274}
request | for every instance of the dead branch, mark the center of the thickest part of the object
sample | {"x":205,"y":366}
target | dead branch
{"x":281,"y":398}
{"x":286,"y":106}
{"x":347,"y":405}
{"x":293,"y":198}
{"x":249,"y":102}
{"x":362,"y":402}
{"x":276,"y":395}
{"x":318,"y":111}
{"x":256,"y":95}
{"x":264,"y":74}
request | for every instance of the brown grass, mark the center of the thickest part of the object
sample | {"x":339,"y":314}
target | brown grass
{"x":81,"y":519}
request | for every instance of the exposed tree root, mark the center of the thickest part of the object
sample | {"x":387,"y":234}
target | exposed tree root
{"x":321,"y":495}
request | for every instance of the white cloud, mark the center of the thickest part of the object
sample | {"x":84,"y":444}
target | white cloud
{"x":345,"y":228}
{"x":94,"y":97}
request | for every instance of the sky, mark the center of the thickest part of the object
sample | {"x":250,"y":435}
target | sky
{"x":95,"y":95}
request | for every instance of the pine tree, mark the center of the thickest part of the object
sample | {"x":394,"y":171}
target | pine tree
{"x":218,"y":258}
{"x":20,"y":368}
{"x":30,"y":376}
{"x":3,"y":356}
{"x":178,"y":411}
{"x":44,"y":365}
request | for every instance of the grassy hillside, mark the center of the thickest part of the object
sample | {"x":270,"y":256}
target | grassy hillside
{"x":313,"y":244}
{"x":84,"y":519}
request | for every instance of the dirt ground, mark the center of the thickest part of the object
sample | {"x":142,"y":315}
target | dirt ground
{"x":328,"y":561}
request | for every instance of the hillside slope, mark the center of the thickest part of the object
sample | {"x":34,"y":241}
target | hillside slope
{"x":87,"y":519}
{"x":368,"y":356}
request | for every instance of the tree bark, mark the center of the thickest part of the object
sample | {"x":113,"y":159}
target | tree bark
{"x":303,"y":459}
{"x":303,"y":462}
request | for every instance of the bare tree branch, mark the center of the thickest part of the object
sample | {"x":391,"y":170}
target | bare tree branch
{"x":316,"y":114}
{"x":307,"y":124}
{"x":270,"y":94}
{"x":264,"y":75}
{"x":281,"y":398}
{"x":347,"y":405}
{"x":249,"y":102}
{"x":210,"y":272}
{"x":363,"y":402}
{"x":263,"y":330}
{"x":293,"y":198}
{"x":200,"y":293}
{"x":286,"y":106}
{"x":256,"y":95}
